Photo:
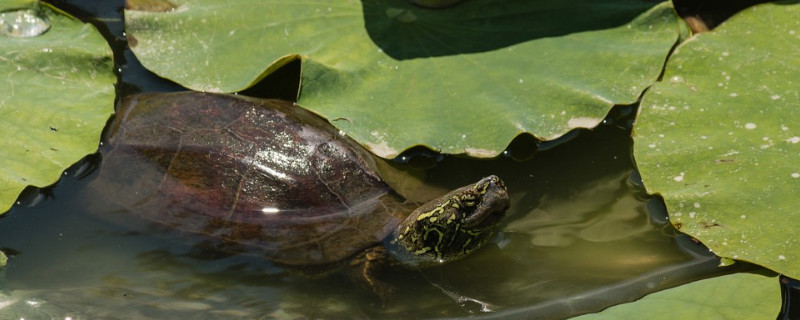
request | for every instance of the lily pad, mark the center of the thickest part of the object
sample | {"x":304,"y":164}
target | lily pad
{"x":719,"y":138}
{"x":466,"y":79}
{"x":58,"y":93}
{"x":15,"y":4}
{"x":735,"y":296}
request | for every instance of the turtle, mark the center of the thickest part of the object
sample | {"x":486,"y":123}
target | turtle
{"x":270,"y":175}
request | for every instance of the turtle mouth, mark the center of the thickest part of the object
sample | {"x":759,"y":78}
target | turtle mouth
{"x":485,"y":218}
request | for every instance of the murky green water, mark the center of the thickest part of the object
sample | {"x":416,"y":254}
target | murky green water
{"x":579,"y":237}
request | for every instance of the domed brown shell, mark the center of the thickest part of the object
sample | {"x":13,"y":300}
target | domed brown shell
{"x":264,"y":173}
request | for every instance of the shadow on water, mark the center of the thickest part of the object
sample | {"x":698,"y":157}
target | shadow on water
{"x":404,"y":31}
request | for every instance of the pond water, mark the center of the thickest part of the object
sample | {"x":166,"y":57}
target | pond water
{"x":581,"y":235}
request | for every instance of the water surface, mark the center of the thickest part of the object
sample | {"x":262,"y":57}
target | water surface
{"x":578,"y":237}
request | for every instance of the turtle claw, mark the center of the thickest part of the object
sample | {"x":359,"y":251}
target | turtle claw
{"x":366,"y":269}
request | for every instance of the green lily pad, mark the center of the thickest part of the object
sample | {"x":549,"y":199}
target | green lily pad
{"x":719,"y":138}
{"x":57,"y":95}
{"x":735,"y":296}
{"x":392,"y":75}
{"x":13,"y":4}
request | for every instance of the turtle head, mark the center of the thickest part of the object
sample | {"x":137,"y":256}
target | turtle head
{"x":452,"y":226}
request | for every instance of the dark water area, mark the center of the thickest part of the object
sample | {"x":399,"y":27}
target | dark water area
{"x":581,"y":235}
{"x":579,"y":226}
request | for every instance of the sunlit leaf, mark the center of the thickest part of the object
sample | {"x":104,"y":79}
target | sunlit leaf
{"x":56,"y":96}
{"x":719,"y":138}
{"x":390,"y":74}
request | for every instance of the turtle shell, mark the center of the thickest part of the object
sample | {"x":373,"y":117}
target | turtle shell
{"x":263,"y":173}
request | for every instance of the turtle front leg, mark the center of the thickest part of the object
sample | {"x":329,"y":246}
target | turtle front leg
{"x":366,"y":268}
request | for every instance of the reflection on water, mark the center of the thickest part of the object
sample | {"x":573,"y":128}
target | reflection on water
{"x":578,"y":238}
{"x":607,"y":212}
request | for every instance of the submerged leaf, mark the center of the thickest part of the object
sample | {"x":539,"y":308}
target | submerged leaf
{"x":735,"y":296}
{"x":57,"y":95}
{"x":719,"y":138}
{"x":462,"y":80}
